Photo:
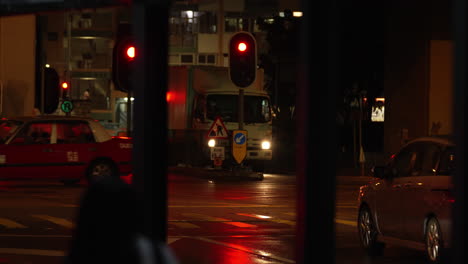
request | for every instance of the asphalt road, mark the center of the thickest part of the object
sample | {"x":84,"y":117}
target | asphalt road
{"x":209,"y":221}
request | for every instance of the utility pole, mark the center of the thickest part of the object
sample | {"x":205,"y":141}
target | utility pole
{"x":220,"y":31}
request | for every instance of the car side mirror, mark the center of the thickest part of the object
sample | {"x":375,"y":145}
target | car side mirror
{"x":378,"y":172}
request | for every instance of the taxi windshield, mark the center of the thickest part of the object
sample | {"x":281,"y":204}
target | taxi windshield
{"x":7,"y":129}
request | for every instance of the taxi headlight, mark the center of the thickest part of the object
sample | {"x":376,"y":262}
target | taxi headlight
{"x":266,"y":145}
{"x":211,"y":143}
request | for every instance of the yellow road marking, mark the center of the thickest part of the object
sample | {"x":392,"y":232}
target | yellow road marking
{"x":10,"y":223}
{"x":32,"y":252}
{"x":231,"y":206}
{"x":271,"y":219}
{"x":346,"y":222}
{"x":184,"y":225}
{"x":217,"y":219}
{"x":56,"y":220}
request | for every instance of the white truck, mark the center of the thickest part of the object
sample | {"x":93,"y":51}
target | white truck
{"x":196,"y":96}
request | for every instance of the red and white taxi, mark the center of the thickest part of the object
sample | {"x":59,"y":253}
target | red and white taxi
{"x":63,"y":148}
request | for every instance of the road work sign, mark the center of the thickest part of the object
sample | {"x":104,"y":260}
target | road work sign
{"x":239,"y":145}
{"x":217,"y":130}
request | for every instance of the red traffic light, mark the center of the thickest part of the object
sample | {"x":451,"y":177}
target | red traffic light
{"x":242,"y":59}
{"x":64,"y":85}
{"x":242,"y":47}
{"x":123,"y":60}
{"x":130,"y":52}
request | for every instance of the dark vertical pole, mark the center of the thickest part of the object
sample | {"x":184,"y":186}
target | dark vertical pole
{"x":316,"y":126}
{"x":150,"y":25}
{"x":460,"y":57}
{"x":40,"y":29}
{"x":129,"y":113}
{"x":240,"y":111}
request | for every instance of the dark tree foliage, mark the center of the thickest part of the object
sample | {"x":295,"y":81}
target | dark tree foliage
{"x":279,"y":62}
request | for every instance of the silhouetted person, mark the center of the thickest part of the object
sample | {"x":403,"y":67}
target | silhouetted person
{"x":107,"y":228}
{"x":219,"y":130}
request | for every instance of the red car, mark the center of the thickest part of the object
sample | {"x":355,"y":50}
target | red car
{"x":63,"y":148}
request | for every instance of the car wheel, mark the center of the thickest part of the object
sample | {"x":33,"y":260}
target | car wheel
{"x":368,"y":233}
{"x":433,"y":240}
{"x":100,"y":169}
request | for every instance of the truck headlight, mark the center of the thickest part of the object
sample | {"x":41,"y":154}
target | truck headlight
{"x":211,"y":143}
{"x":266,"y":145}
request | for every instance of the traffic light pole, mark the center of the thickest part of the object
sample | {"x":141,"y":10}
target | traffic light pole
{"x":241,"y":108}
{"x":129,"y":113}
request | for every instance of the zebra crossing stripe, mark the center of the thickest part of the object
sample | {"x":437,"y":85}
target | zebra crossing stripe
{"x":10,"y":223}
{"x":56,"y":220}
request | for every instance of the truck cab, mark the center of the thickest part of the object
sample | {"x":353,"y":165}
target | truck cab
{"x":197,"y":96}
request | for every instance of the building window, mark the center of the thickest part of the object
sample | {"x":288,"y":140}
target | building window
{"x":97,"y":91}
{"x":201,"y":59}
{"x":210,"y":59}
{"x":234,"y":24}
{"x":183,"y":22}
{"x":208,"y":22}
{"x":186,"y":58}
{"x":206,"y":59}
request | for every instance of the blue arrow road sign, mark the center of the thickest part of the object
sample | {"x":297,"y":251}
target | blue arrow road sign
{"x":239,"y":138}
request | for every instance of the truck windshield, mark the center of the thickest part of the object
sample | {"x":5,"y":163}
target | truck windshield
{"x":256,"y":108}
{"x":7,"y":129}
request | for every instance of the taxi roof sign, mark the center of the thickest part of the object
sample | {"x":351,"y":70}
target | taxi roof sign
{"x":218,"y":130}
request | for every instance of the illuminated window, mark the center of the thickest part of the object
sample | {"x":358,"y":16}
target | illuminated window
{"x":378,"y":110}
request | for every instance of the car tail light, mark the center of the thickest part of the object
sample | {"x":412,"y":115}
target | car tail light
{"x":119,"y":137}
{"x":448,"y":197}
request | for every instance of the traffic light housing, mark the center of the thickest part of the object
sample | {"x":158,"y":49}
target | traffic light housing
{"x":242,"y":59}
{"x":124,"y":54}
{"x":65,"y":86}
{"x":51,"y":90}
